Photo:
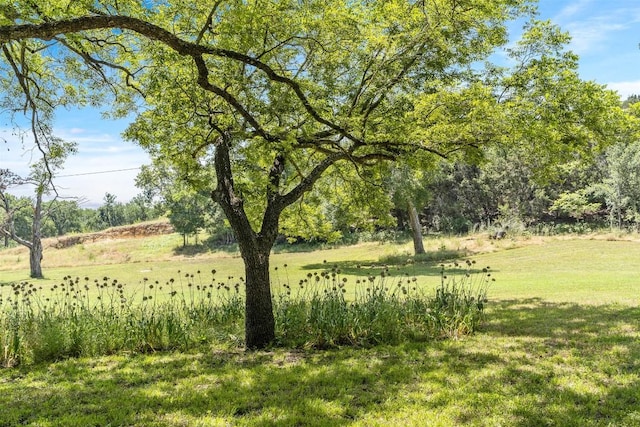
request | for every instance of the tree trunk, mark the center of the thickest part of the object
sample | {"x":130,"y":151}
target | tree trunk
{"x":255,"y":246}
{"x":259,"y":319}
{"x":416,"y":229}
{"x":35,"y":249}
{"x":255,"y":249}
{"x":7,"y":209}
{"x":35,"y":260}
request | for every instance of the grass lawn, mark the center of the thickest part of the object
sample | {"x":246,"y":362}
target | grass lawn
{"x":561,"y":347}
{"x":534,"y":364}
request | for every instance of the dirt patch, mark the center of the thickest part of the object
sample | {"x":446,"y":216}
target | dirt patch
{"x":122,"y":232}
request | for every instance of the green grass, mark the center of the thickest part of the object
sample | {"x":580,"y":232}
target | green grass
{"x":561,"y":347}
{"x":535,"y":363}
{"x":579,"y":271}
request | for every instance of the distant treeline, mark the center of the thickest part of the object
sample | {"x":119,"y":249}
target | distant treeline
{"x":68,"y":216}
{"x":455,"y":197}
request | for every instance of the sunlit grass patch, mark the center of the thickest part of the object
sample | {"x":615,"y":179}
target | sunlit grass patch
{"x":520,"y":370}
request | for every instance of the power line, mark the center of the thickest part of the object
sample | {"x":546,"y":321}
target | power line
{"x":97,"y":173}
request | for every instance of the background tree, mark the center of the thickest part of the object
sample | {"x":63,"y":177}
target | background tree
{"x":41,"y":179}
{"x":460,"y":198}
{"x":65,"y":216}
{"x":140,"y":208}
{"x":408,"y":193}
{"x":187,"y":212}
{"x":11,"y":207}
{"x":621,"y":185}
{"x":272,"y":96}
{"x":111,"y":212}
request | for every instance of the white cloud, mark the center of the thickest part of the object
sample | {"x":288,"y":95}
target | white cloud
{"x":82,"y":176}
{"x":572,"y":9}
{"x":591,"y":35}
{"x":625,"y":88}
{"x":593,"y":25}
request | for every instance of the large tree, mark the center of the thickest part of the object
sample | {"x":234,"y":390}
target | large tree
{"x":256,"y":101}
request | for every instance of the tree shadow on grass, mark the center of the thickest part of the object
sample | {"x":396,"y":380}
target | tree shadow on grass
{"x":195,"y":249}
{"x":534,"y":363}
{"x":574,"y":364}
{"x":398,"y":267}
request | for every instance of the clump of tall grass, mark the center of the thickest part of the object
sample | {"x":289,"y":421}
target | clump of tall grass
{"x":84,"y":317}
{"x":319,"y":313}
{"x":458,"y":305}
{"x":81,"y":317}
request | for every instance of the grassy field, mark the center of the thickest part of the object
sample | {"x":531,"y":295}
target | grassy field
{"x":561,"y":347}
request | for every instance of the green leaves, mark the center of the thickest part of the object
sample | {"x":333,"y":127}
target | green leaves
{"x":318,"y":83}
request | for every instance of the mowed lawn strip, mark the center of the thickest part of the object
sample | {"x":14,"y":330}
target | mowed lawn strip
{"x":582,"y":269}
{"x":576,"y":271}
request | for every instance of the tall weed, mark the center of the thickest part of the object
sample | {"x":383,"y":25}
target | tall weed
{"x":84,"y":317}
{"x":383,"y":309}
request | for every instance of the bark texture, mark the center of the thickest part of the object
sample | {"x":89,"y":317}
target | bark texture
{"x":416,"y":229}
{"x":259,"y":319}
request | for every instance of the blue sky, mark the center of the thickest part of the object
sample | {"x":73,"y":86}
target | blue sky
{"x":606,"y":36}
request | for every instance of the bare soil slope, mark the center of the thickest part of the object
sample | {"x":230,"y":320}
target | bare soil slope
{"x":123,"y":232}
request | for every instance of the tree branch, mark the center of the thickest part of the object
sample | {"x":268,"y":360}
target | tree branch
{"x":208,"y":25}
{"x":97,"y":64}
{"x":307,"y":182}
{"x":49,"y":30}
{"x":225,"y":193}
{"x":203,"y":81}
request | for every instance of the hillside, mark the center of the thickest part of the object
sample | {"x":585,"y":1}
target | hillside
{"x":146,"y":229}
{"x":149,"y":242}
